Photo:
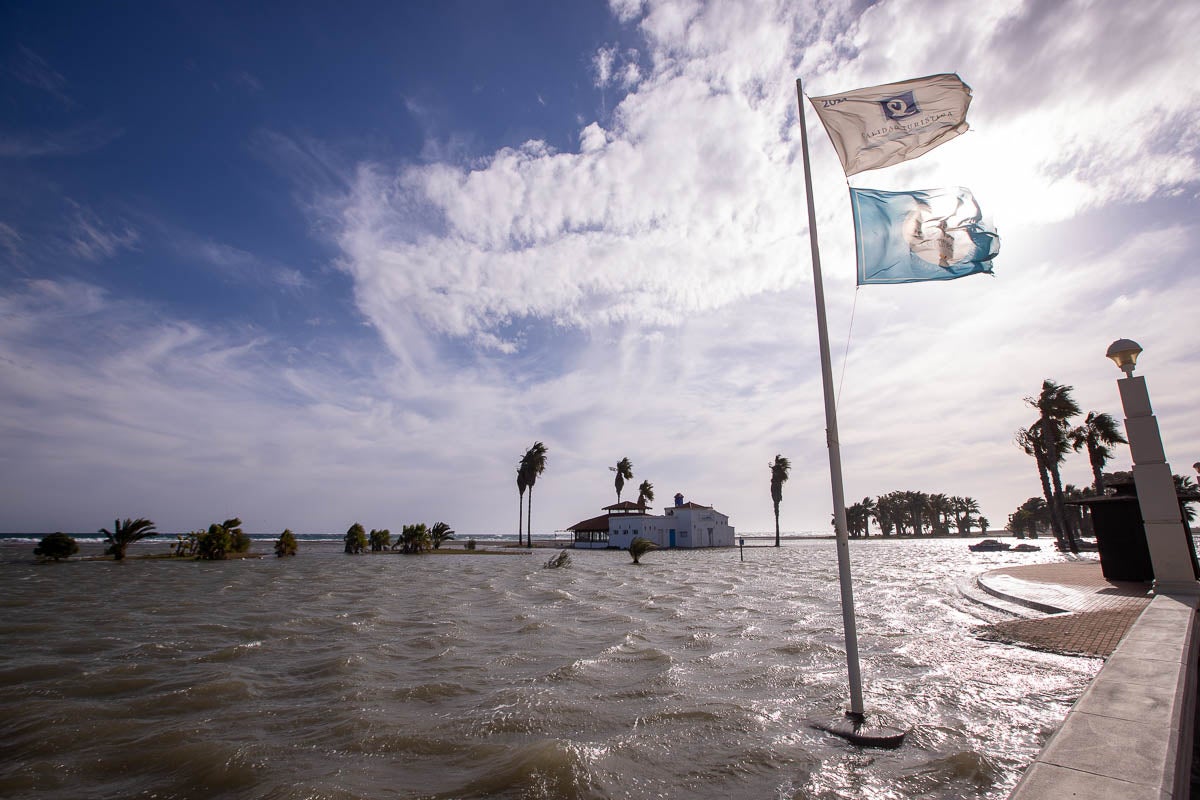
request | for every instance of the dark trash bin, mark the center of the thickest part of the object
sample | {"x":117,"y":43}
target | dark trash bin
{"x":1120,"y":535}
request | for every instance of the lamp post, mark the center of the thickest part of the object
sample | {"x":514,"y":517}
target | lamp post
{"x":1166,"y":535}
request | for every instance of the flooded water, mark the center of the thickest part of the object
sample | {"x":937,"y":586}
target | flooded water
{"x":693,"y":675}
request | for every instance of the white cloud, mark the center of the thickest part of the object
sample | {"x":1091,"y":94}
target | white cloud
{"x":649,"y":295}
{"x":93,"y":239}
{"x":687,"y":207}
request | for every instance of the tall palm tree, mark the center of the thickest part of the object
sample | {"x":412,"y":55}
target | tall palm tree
{"x":534,"y":463}
{"x":1056,"y":407}
{"x":916,"y":503}
{"x":645,"y":493}
{"x":779,"y":475}
{"x":126,"y":533}
{"x":940,"y":508}
{"x":624,"y":470}
{"x":521,"y":487}
{"x":868,"y":506}
{"x":1029,"y":440}
{"x":1098,"y":433}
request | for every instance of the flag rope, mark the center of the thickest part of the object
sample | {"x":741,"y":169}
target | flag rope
{"x":846,"y":352}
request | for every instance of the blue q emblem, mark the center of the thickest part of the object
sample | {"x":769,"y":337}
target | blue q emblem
{"x":900,"y":106}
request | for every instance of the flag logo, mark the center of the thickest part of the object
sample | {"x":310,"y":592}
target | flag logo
{"x":900,"y":107}
{"x":908,"y":129}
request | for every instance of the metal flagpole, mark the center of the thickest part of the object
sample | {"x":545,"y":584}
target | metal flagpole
{"x":882,"y":737}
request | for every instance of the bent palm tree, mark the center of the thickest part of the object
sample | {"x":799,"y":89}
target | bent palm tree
{"x":126,"y":533}
{"x":1056,"y":406}
{"x":1097,"y":433}
{"x":645,"y":493}
{"x":1029,"y":440}
{"x":624,"y":470}
{"x":639,"y":547}
{"x":534,"y":464}
{"x":779,"y":475}
{"x":440,"y":532}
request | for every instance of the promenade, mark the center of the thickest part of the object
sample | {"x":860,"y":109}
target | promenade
{"x":1130,"y":736}
{"x":1089,"y":614}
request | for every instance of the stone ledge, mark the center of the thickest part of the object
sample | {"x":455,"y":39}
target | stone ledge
{"x":1130,"y":734}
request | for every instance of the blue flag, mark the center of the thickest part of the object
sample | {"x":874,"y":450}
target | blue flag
{"x":933,"y":235}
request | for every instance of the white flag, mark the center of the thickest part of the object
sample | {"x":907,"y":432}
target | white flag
{"x":884,"y":125}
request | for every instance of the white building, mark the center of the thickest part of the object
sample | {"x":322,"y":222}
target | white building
{"x":682,"y":525}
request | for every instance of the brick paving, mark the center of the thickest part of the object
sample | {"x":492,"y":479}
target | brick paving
{"x":1090,"y":614}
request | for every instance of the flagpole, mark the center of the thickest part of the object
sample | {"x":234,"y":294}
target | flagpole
{"x":831,"y":435}
{"x":856,"y":715}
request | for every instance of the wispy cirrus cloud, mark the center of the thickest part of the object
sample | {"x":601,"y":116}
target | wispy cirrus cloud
{"x":70,"y":142}
{"x":93,"y":239}
{"x":31,"y":69}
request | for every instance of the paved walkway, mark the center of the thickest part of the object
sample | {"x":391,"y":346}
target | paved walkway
{"x":1088,"y":614}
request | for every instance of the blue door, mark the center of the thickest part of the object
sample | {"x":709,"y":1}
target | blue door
{"x":672,"y":537}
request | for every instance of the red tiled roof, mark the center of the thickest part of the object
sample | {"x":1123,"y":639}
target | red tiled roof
{"x":625,"y":505}
{"x":599,"y":523}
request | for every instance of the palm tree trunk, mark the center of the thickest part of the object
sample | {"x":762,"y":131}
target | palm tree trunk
{"x":777,"y":524}
{"x":1048,"y":492}
{"x":1068,"y":524}
{"x":529,"y":520}
{"x":1097,"y":469}
{"x":520,"y":517}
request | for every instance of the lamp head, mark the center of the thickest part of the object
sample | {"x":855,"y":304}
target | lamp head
{"x":1124,"y":353}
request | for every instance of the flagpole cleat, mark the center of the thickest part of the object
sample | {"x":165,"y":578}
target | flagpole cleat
{"x":858,"y":730}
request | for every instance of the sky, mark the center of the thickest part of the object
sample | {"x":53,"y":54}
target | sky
{"x":312,"y":264}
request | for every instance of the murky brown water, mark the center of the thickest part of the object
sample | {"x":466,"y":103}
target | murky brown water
{"x":333,"y":676}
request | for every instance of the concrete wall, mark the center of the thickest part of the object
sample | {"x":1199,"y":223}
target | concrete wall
{"x":1130,"y":735}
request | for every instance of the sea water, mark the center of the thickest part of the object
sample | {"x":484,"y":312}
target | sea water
{"x":693,"y":675}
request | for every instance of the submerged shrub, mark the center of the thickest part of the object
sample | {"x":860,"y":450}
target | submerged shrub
{"x":286,"y":545}
{"x":470,"y":544}
{"x":215,"y":543}
{"x":563,"y":559}
{"x":56,"y":546}
{"x":356,"y":539}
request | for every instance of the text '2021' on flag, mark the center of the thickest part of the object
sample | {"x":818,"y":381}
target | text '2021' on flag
{"x":884,"y":125}
{"x":931,"y":235}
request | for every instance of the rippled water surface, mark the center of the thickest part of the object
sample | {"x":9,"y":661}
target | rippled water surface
{"x":389,"y":676}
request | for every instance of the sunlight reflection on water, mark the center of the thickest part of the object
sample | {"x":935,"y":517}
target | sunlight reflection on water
{"x":693,"y":675}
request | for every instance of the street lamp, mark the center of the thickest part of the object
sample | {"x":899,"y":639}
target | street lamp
{"x":1166,"y":535}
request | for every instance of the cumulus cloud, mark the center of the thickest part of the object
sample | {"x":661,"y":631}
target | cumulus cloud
{"x":687,"y":203}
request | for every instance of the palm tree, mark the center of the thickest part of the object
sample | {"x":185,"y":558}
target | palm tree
{"x":1097,"y":433}
{"x":868,"y":510}
{"x":779,"y":475}
{"x":624,"y":470}
{"x":286,"y":544}
{"x":534,"y":464}
{"x":380,"y":540}
{"x":916,"y":504}
{"x":941,"y":508}
{"x":1029,"y":440}
{"x":126,"y":533}
{"x":521,"y":487}
{"x":645,"y":493}
{"x":415,"y":538}
{"x":639,"y":547}
{"x":355,"y":539}
{"x":1056,"y":406}
{"x":440,"y":532}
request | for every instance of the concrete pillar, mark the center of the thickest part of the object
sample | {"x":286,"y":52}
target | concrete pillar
{"x":1166,"y":534}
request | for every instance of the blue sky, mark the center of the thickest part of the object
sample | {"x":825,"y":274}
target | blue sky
{"x":312,"y":266}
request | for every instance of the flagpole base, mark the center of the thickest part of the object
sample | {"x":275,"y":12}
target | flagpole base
{"x":859,"y":730}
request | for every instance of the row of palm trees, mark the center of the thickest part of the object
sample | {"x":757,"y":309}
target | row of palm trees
{"x":914,"y":513}
{"x":413,"y":538}
{"x":1051,"y":437}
